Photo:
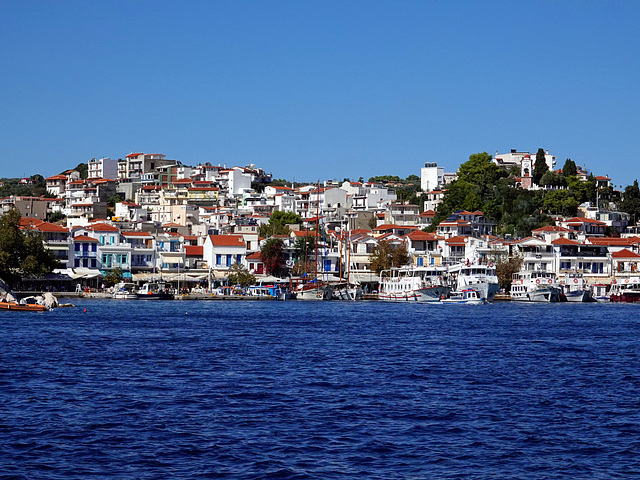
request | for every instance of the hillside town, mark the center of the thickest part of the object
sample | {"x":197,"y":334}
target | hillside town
{"x":192,"y":224}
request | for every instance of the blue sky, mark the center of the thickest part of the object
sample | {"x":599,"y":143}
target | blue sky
{"x":319,"y":90}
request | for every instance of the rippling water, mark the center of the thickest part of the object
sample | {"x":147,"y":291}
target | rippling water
{"x":296,"y":390}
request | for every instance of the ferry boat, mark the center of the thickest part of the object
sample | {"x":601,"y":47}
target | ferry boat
{"x":626,"y":290}
{"x":576,"y":289}
{"x":479,"y":277}
{"x":414,"y":284}
{"x":536,"y":286}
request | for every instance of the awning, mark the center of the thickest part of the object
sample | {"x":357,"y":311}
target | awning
{"x":85,"y":273}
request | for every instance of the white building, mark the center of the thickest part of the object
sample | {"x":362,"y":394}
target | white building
{"x":102,"y":168}
{"x":431,"y":176}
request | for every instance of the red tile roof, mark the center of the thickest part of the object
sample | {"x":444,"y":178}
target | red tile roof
{"x":193,"y":251}
{"x":227,"y":240}
{"x":103,"y":227}
{"x":84,"y":238}
{"x":625,"y":254}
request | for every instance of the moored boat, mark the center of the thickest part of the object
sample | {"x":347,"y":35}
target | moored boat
{"x":477,"y":276}
{"x":536,"y":286}
{"x":625,"y":290}
{"x":576,"y":289}
{"x":414,"y":284}
{"x":468,"y":296}
{"x":599,"y":292}
{"x":124,"y":291}
{"x":23,"y":307}
{"x":154,"y":291}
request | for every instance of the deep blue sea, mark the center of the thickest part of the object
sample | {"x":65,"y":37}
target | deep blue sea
{"x":327,"y":390}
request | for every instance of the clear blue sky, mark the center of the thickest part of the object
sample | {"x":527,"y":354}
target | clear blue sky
{"x":319,"y":90}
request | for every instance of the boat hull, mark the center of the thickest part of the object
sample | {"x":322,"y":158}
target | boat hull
{"x":422,"y":295}
{"x":29,"y":307}
{"x":544,"y":295}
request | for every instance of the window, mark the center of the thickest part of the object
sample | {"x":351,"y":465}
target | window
{"x":218,"y":259}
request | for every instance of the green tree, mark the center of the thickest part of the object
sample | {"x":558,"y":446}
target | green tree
{"x":631,"y":201}
{"x":387,"y":254}
{"x":505,"y":268}
{"x":271,"y":256}
{"x":56,"y":216}
{"x":561,"y":202}
{"x":115,"y":198}
{"x":540,"y":166}
{"x":475,"y":189}
{"x":113,"y":276}
{"x":278,"y":224}
{"x":305,"y":254}
{"x":569,"y":169}
{"x":22,"y":252}
{"x":239,"y":275}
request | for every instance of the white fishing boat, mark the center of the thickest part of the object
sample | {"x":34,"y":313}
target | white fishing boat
{"x":600,"y":292}
{"x":477,"y":276}
{"x":536,"y":286}
{"x":124,"y":291}
{"x":157,"y":290}
{"x":468,"y":296}
{"x":414,"y":284}
{"x":576,"y":289}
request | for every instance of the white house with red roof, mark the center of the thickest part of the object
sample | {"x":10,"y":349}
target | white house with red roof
{"x":423,"y":248}
{"x":625,"y":262}
{"x":56,"y":239}
{"x":584,"y":226}
{"x":576,"y":257}
{"x":222,"y":251}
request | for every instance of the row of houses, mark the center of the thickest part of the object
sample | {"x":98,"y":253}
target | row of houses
{"x":574,"y":246}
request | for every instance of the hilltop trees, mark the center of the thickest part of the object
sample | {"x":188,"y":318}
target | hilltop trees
{"x":475,"y":188}
{"x":540,"y":166}
{"x":569,"y":169}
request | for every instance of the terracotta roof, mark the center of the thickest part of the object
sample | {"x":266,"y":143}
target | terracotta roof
{"x":625,"y":254}
{"x":457,"y":240}
{"x":84,"y":238}
{"x":580,"y":220}
{"x":227,"y":240}
{"x":551,"y":228}
{"x":51,"y":227}
{"x":564,"y":241}
{"x":613,"y":241}
{"x":388,"y":226}
{"x":193,"y":250}
{"x":136,"y":234}
{"x":103,"y":227}
{"x":254,"y":256}
{"x":134,"y":155}
{"x":419,"y":235}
